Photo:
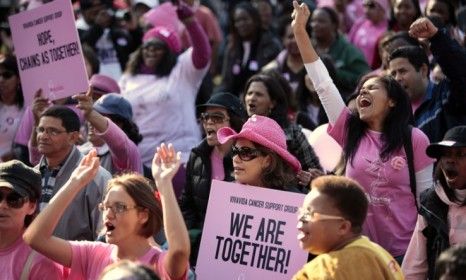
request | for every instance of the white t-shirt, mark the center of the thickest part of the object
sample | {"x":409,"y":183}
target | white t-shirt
{"x":164,"y":107}
{"x":109,"y":64}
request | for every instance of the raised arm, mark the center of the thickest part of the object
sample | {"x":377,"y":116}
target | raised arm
{"x":448,"y":53}
{"x":300,"y":17}
{"x":165,"y":164}
{"x":39,"y":233}
{"x":85,"y":103}
{"x":200,"y":42}
{"x":328,"y":93}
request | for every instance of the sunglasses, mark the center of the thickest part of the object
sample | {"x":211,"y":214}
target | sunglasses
{"x":246,"y":153}
{"x":216,"y":118}
{"x":13,"y":199}
{"x":7,"y":75}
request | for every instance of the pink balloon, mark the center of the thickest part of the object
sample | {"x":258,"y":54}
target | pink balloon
{"x":326,"y":148}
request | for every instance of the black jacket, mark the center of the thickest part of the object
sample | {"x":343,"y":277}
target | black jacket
{"x":435,"y":212}
{"x":194,"y":199}
{"x":443,"y":106}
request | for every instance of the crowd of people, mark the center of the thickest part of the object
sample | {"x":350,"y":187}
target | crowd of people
{"x":114,"y":183}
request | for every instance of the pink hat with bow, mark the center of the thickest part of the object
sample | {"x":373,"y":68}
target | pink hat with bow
{"x":264,"y":131}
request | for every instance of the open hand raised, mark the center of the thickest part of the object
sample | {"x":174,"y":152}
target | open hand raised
{"x":165,"y":163}
{"x":86,"y":170}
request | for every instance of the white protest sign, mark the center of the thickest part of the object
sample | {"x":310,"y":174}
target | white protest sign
{"x":250,"y":233}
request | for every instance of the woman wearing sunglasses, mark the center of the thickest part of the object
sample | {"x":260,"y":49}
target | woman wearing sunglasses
{"x":20,"y":190}
{"x":209,"y":160}
{"x":11,"y":106}
{"x":260,"y":155}
{"x":266,"y":95}
{"x":131,"y":215}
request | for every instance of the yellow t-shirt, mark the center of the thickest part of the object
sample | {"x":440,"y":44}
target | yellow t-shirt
{"x":359,"y":260}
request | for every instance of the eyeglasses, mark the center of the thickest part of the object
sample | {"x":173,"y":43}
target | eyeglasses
{"x":369,"y":5}
{"x":7,"y":75}
{"x":246,"y":153}
{"x":13,"y":199}
{"x":313,"y":216}
{"x":117,"y":208}
{"x":216,"y":118}
{"x":50,"y":131}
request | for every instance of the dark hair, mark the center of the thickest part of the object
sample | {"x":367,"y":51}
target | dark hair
{"x":332,"y":14}
{"x":162,"y":69}
{"x":236,"y":122}
{"x":136,"y":270}
{"x":347,"y":196}
{"x":9,"y":63}
{"x":129,"y":127}
{"x":68,"y":117}
{"x":392,"y":21}
{"x":451,"y":264}
{"x":253,"y":13}
{"x":439,"y":177}
{"x":29,"y":218}
{"x":395,"y":125}
{"x":141,"y":191}
{"x":415,"y":55}
{"x":451,"y":11}
{"x":303,"y":95}
{"x":91,"y":57}
{"x":279,"y":174}
{"x":276,"y":93}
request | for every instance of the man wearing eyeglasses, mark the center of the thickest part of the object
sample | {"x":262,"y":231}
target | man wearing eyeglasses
{"x":19,"y":196}
{"x":56,"y":135}
{"x":329,"y":226}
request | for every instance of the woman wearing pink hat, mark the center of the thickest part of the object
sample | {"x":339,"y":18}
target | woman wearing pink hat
{"x":260,"y":155}
{"x":162,"y":86}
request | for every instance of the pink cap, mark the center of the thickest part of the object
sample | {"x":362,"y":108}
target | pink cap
{"x":264,"y":131}
{"x":163,"y":15}
{"x":168,"y":36}
{"x":104,"y":83}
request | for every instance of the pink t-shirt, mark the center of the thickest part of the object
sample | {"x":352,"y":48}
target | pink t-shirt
{"x":364,"y":35}
{"x":90,"y":259}
{"x":392,"y":212}
{"x":216,"y":160}
{"x":13,"y":260}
